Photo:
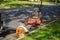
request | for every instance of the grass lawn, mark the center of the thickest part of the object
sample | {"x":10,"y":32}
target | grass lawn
{"x":50,"y":32}
{"x":22,"y":3}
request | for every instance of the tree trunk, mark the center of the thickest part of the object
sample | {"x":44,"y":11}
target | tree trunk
{"x":55,"y":1}
{"x":41,"y":2}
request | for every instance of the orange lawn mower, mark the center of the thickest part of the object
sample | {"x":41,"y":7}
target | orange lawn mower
{"x":34,"y":20}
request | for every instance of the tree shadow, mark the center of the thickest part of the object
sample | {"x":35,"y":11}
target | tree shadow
{"x":48,"y":13}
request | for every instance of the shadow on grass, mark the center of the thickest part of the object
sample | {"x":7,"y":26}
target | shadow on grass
{"x":21,"y":4}
{"x":2,"y":2}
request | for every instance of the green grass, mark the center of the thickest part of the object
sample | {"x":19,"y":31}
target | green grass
{"x":50,"y":32}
